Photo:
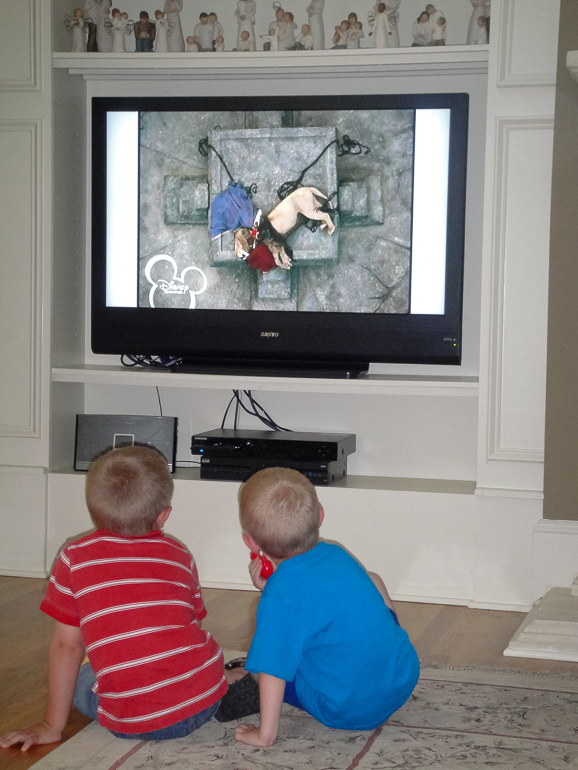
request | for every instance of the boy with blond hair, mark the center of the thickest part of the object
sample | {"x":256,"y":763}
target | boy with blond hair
{"x":129,"y":596}
{"x":327,"y":638}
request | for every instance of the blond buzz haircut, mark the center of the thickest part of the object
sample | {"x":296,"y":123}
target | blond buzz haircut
{"x":127,"y":489}
{"x":279,"y":509}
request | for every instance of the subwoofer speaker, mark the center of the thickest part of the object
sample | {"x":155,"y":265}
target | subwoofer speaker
{"x":98,"y":433}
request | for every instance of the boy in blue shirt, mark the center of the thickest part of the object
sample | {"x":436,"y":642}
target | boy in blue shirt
{"x":327,"y":637}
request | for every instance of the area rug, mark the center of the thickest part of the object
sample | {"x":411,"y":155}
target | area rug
{"x":457,"y":719}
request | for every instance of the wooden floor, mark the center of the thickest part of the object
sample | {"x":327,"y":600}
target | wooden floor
{"x":443,"y":635}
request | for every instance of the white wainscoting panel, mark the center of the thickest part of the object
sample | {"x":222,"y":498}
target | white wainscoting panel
{"x":20,"y":303}
{"x":520,"y":289}
{"x":20,"y":65}
{"x":22,"y":521}
{"x":528,"y":42}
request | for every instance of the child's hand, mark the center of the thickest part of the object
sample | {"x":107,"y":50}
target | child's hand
{"x":255,"y":573}
{"x":250,"y":734}
{"x":41,"y":732}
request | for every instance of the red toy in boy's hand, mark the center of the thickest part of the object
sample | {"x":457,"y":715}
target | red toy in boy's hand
{"x":266,"y":566}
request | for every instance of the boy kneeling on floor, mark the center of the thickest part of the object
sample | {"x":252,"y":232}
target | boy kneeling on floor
{"x":327,"y":639}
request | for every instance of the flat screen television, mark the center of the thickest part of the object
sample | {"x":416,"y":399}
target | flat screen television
{"x":279,"y":234}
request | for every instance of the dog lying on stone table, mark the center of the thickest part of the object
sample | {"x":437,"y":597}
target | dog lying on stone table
{"x":272,"y":230}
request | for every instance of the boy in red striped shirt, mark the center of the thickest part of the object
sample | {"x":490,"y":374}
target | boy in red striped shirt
{"x":130,"y":597}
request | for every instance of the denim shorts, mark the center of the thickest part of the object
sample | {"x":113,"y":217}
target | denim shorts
{"x":86,"y":701}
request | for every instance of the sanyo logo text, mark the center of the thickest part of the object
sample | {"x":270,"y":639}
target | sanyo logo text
{"x":269,"y":334}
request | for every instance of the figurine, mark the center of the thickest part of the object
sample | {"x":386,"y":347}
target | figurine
{"x":119,"y":28}
{"x":421,"y":30}
{"x":77,"y":25}
{"x":340,"y":35}
{"x":162,"y":33}
{"x":305,"y":41}
{"x":434,"y":16}
{"x":144,"y":32}
{"x":244,"y":43}
{"x":287,"y":32}
{"x":203,"y":33}
{"x":220,"y":44}
{"x":245,"y":13}
{"x":315,"y":13}
{"x":487,"y":13}
{"x":481,"y":36}
{"x":192,"y":46}
{"x":176,"y":40}
{"x":383,"y":20}
{"x":439,"y":31}
{"x":91,"y":44}
{"x":478,"y":10}
{"x":272,"y":38}
{"x":99,"y":12}
{"x":354,"y":35}
{"x":217,"y":30}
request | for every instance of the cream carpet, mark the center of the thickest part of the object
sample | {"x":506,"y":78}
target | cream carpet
{"x":457,"y":719}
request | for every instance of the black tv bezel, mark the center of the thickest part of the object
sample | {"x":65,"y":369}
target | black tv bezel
{"x":236,"y":339}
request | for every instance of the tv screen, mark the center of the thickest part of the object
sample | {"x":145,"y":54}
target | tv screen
{"x":281,"y":234}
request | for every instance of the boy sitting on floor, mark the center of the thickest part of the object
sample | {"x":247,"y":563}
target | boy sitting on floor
{"x":327,"y":638}
{"x":130,"y":596}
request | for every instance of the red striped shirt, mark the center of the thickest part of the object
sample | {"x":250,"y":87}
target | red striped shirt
{"x":137,"y":601}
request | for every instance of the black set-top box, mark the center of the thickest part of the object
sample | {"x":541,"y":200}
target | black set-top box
{"x":234,"y":455}
{"x":271,"y":444}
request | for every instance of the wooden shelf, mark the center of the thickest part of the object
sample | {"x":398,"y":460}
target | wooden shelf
{"x":371,"y":483}
{"x":459,"y":59}
{"x":378,"y":385}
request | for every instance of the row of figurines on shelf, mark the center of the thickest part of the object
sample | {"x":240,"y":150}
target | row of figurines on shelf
{"x":101,"y":28}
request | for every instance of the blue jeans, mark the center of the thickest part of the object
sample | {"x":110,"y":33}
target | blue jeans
{"x":86,"y":701}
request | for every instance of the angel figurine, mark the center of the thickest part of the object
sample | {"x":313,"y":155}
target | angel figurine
{"x":119,"y":27}
{"x":78,"y":25}
{"x":315,"y":13}
{"x":162,"y":33}
{"x":176,"y":40}
{"x":99,"y":12}
{"x":383,"y":20}
{"x":245,"y":13}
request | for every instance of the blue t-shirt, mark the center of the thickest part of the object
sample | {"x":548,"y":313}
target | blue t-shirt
{"x":322,"y":622}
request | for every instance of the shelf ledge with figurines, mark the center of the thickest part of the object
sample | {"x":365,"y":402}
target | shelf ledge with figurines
{"x":459,"y":59}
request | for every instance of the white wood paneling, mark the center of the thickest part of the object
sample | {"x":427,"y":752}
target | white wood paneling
{"x":520,"y":289}
{"x":20,"y":63}
{"x":20,"y":224}
{"x":528,"y":43}
{"x":23,"y":517}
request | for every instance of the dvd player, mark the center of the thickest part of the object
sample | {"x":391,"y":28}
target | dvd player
{"x":269,"y":445}
{"x":240,"y":469}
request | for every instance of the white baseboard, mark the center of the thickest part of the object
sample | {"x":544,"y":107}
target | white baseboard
{"x":23,"y":573}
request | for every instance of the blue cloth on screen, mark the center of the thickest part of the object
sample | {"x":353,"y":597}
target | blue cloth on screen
{"x":231,"y":209}
{"x":322,"y":622}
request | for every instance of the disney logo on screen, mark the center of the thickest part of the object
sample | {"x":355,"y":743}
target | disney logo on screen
{"x":173,"y":285}
{"x":170,"y":287}
{"x":269,"y":334}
